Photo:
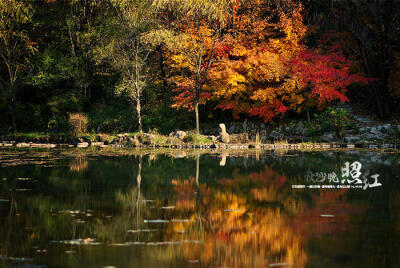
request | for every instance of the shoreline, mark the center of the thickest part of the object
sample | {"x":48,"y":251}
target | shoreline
{"x":182,"y":140}
{"x":211,"y":146}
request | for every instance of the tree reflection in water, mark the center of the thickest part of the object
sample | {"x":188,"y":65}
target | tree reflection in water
{"x":206,"y":211}
{"x":234,"y":232}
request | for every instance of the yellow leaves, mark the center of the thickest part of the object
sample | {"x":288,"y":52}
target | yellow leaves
{"x":239,"y":51}
{"x":179,"y":61}
{"x":235,"y":79}
{"x":265,"y":66}
{"x":264,"y":95}
{"x":293,"y":25}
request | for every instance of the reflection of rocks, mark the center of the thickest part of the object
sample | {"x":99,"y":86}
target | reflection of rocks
{"x":178,"y":154}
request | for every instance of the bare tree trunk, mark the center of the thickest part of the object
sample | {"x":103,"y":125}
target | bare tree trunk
{"x":13,"y":108}
{"x":139,"y":115}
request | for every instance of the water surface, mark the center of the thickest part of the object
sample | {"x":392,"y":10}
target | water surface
{"x":201,"y":211}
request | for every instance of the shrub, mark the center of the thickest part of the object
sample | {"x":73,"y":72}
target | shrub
{"x":195,"y":138}
{"x":334,"y":119}
{"x":78,"y":123}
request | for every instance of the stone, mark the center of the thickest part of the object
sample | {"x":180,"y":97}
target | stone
{"x":223,"y":135}
{"x":239,"y":138}
{"x":7,"y":144}
{"x":82,"y":145}
{"x":245,"y":125}
{"x":43,"y":145}
{"x":232,"y":129}
{"x":375,"y":131}
{"x":258,"y":138}
{"x":213,"y":138}
{"x":328,"y":137}
{"x":351,"y":139}
{"x":99,"y":143}
{"x":23,"y":144}
{"x":372,"y":136}
{"x":386,"y":128}
{"x":275,"y":135}
{"x":180,"y":134}
{"x":116,"y":140}
{"x":369,"y":136}
{"x":299,"y":128}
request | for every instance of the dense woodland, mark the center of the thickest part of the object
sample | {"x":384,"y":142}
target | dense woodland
{"x":137,"y":65}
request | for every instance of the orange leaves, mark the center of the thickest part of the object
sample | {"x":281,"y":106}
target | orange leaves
{"x":190,"y":59}
{"x":253,"y":66}
{"x":261,"y":67}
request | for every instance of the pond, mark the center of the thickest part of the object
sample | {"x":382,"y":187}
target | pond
{"x":288,"y":209}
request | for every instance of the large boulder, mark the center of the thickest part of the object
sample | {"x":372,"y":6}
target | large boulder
{"x":387,"y":128}
{"x":375,"y":131}
{"x":275,"y":135}
{"x":23,"y":144}
{"x":351,"y":139}
{"x":82,"y":144}
{"x":239,"y":138}
{"x":180,"y":134}
{"x":223,"y":135}
{"x":299,"y":129}
{"x":328,"y":137}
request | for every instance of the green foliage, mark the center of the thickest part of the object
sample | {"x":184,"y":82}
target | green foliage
{"x":112,"y":117}
{"x":102,"y":57}
{"x":195,"y":138}
{"x":53,"y":68}
{"x":334,"y":119}
{"x":166,"y":119}
{"x":59,"y":107}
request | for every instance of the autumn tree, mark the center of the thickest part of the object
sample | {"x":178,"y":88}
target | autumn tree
{"x":195,"y":27}
{"x":265,"y":69}
{"x":15,"y":45}
{"x":374,"y":25}
{"x":325,"y":74}
{"x":253,"y":72}
{"x":127,"y":48}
